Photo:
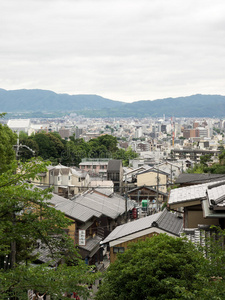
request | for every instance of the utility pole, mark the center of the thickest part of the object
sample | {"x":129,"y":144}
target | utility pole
{"x":157,"y":195}
{"x":18,"y":146}
{"x":126,"y":212}
{"x":13,"y":243}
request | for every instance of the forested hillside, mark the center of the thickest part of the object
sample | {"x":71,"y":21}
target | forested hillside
{"x":30,"y":101}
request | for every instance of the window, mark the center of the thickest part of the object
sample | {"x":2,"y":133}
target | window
{"x":58,"y":178}
{"x":69,"y":178}
{"x":118,"y":249}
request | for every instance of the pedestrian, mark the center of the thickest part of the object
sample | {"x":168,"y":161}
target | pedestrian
{"x":34,"y":295}
{"x":40,"y":297}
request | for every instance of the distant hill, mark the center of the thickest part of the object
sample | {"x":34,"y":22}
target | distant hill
{"x":97,"y":106}
{"x":190,"y":106}
{"x":42,"y":100}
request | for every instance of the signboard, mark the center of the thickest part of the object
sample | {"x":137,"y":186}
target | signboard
{"x":82,"y":237}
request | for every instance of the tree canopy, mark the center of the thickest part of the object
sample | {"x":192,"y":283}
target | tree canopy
{"x":50,"y":146}
{"x":162,"y":267}
{"x":206,"y":165}
{"x":7,"y":141}
{"x":26,"y":220}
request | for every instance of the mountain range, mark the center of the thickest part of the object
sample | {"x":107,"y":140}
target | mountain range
{"x":36,"y":100}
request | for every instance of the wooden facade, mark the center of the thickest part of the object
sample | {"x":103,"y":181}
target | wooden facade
{"x":124,"y":245}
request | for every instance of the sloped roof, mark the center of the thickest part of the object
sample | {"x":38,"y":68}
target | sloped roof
{"x":78,"y":173}
{"x":216,"y":193}
{"x":104,"y":191}
{"x":167,"y":163}
{"x":147,"y":188}
{"x":90,"y":204}
{"x":91,"y":243}
{"x":210,"y":195}
{"x":164,"y":220}
{"x":65,"y":170}
{"x":155,"y":171}
{"x":185,"y":178}
{"x":189,"y":193}
{"x":170,"y":222}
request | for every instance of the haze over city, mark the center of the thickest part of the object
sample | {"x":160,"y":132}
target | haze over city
{"x":122,"y":50}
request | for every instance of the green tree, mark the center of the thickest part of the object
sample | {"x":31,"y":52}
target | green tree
{"x":162,"y":267}
{"x":205,"y":159}
{"x":50,"y":146}
{"x":103,"y":144}
{"x":28,"y":147}
{"x":7,"y":141}
{"x":75,"y":150}
{"x":25,"y":218}
{"x":125,"y":155}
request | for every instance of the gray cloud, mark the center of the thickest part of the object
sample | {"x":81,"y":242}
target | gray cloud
{"x":123,"y":50}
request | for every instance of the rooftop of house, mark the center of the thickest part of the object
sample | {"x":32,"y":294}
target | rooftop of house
{"x":91,"y":204}
{"x":148,"y":188}
{"x":188,"y":178}
{"x":155,"y":171}
{"x":164,"y":220}
{"x":211,"y":196}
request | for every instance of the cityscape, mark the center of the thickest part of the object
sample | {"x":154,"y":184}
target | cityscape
{"x":121,"y":180}
{"x":112,"y":150}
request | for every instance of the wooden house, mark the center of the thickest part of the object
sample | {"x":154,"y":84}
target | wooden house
{"x":162,"y":222}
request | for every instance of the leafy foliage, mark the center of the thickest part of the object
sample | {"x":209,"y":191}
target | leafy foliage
{"x":164,"y":267}
{"x":25,"y":219}
{"x":205,"y":167}
{"x":7,"y":154}
{"x":50,"y":146}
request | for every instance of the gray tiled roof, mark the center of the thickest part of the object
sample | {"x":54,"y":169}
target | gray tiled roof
{"x":155,"y":171}
{"x":188,"y":193}
{"x":198,"y":178}
{"x":164,"y":220}
{"x":210,"y":195}
{"x":91,"y":243}
{"x":104,"y":191}
{"x":148,"y":188}
{"x":216,"y":193}
{"x":85,"y":206}
{"x":170,"y":222}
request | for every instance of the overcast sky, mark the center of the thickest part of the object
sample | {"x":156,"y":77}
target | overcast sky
{"x":125,"y":50}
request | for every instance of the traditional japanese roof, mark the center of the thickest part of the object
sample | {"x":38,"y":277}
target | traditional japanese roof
{"x":186,"y":178}
{"x":165,"y":220}
{"x":210,"y":195}
{"x":155,"y":171}
{"x":147,"y":188}
{"x":187,"y":194}
{"x":78,"y":172}
{"x":91,"y":244}
{"x":90,"y":204}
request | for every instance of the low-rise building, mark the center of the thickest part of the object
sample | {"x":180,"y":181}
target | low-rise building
{"x":162,"y":222}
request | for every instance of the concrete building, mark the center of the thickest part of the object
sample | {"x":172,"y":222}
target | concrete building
{"x":98,"y":166}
